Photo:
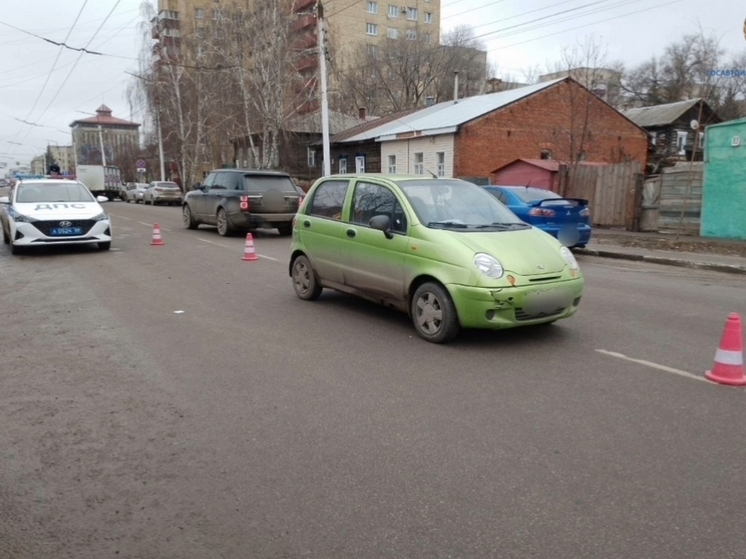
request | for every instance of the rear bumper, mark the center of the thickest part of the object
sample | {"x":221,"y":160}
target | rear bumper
{"x":246,"y":220}
{"x":584,"y":232}
{"x":167,"y":198}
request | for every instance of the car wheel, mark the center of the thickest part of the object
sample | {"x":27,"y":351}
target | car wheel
{"x":188,"y":218}
{"x":285,"y":230}
{"x":104,"y":246}
{"x":127,"y":200}
{"x":15,"y":249}
{"x":224,"y":228}
{"x":305,"y":283}
{"x":434,"y":314}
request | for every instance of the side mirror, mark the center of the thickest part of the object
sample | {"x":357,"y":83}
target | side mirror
{"x":101,"y":199}
{"x":197,"y":186}
{"x":382,"y":223}
{"x":4,"y":200}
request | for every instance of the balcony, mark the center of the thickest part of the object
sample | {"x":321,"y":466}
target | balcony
{"x":305,"y":41}
{"x":303,"y":5}
{"x":310,"y":84}
{"x":307,"y":63}
{"x":168,"y":15}
{"x":304,"y":22}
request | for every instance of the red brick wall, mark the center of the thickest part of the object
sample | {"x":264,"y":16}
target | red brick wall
{"x":543,"y":121}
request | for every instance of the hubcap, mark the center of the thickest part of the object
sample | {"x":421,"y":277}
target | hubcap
{"x":429,"y":313}
{"x":302,"y":278}
{"x":187,"y":215}
{"x":222,"y":222}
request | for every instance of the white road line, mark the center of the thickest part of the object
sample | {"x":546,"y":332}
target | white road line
{"x":122,"y":217}
{"x":267,"y":257}
{"x":145,"y":224}
{"x":228,"y":246}
{"x":654,"y":365}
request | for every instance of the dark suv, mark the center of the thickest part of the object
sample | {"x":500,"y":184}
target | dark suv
{"x":242,"y":199}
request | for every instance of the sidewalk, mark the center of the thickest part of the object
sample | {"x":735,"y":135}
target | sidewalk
{"x":719,"y":255}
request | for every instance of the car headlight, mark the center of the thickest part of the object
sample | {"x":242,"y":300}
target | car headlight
{"x":100,"y":217}
{"x":569,"y":258}
{"x":20,"y":218}
{"x":488,"y":265}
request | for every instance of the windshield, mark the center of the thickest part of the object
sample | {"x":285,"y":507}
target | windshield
{"x":457,"y":204}
{"x":529,"y":195}
{"x":263,"y":183}
{"x":53,"y":192}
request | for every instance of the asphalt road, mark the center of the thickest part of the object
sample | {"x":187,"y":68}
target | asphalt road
{"x":254,"y":424}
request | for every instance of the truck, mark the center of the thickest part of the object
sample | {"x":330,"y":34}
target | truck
{"x":100,"y":180}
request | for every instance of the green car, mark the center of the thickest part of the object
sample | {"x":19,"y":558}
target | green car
{"x":443,"y":250}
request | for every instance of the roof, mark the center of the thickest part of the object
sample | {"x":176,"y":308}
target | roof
{"x":548,"y":164}
{"x":446,"y":117}
{"x":659,"y":115}
{"x":103,"y":116}
{"x":365,"y":126}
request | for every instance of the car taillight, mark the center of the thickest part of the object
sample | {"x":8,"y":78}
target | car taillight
{"x":159,"y":190}
{"x":585,"y":212}
{"x":244,"y":203}
{"x":541,"y":212}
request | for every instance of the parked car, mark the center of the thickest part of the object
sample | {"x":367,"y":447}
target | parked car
{"x":42,"y":212}
{"x":162,"y":192}
{"x":443,"y":250}
{"x":566,"y":219}
{"x":134,"y":192}
{"x":241,"y":200}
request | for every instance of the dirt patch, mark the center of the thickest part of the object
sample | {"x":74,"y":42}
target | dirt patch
{"x":669,"y":242}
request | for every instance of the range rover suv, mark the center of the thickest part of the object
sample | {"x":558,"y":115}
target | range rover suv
{"x":242,"y":199}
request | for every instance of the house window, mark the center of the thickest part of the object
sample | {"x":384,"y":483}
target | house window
{"x":701,"y":140}
{"x":393,"y":11}
{"x":419,"y":164}
{"x":342,"y":165}
{"x":371,"y":29}
{"x":546,"y":154}
{"x":392,"y":164}
{"x":393,"y":33}
{"x":440,"y":158}
{"x":412,"y":14}
{"x":681,"y":142}
{"x":372,"y":50}
{"x":411,"y":34}
{"x":428,"y":17}
{"x":360,"y":164}
{"x":201,"y":32}
{"x":199,"y":13}
{"x":311,"y":157}
{"x":217,"y":15}
{"x":428,"y":38}
{"x":372,"y":7}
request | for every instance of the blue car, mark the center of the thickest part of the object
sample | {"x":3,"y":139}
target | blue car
{"x":566,"y":219}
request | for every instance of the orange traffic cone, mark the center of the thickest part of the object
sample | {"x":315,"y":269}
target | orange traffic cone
{"x":728,"y":368}
{"x":157,"y":241}
{"x":249,"y":254}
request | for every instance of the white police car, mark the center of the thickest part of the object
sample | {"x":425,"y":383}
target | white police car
{"x":41,"y":212}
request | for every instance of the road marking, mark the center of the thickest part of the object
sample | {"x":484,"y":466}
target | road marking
{"x":228,"y":246}
{"x":145,"y":224}
{"x":267,"y":257}
{"x":122,"y":217}
{"x":653,"y":365}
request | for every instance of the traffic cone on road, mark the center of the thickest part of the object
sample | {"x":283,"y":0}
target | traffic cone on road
{"x":728,"y":368}
{"x":249,"y":254}
{"x":157,"y":240}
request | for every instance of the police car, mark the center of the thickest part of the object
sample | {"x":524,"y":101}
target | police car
{"x":40,"y":212}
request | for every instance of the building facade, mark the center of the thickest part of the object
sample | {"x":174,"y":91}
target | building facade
{"x":104,"y":131}
{"x":63,"y":156}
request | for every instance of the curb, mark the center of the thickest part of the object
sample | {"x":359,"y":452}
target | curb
{"x":725,"y":268}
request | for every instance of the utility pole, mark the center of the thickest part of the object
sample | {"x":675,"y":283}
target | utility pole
{"x":160,"y":147}
{"x":324,"y":100}
{"x":101,"y":143}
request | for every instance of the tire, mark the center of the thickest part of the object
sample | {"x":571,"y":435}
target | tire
{"x":285,"y":230}
{"x":224,"y":227}
{"x":305,"y":282}
{"x":104,"y":246}
{"x":433,"y":314}
{"x":127,"y":200}
{"x":188,"y":218}
{"x":15,"y":249}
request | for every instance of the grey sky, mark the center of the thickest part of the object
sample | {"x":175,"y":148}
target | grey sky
{"x":26,"y":62}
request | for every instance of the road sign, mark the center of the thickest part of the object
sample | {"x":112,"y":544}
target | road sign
{"x":141,"y":170}
{"x":141,"y":164}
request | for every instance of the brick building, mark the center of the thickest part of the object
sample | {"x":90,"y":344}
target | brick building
{"x":472,"y":137}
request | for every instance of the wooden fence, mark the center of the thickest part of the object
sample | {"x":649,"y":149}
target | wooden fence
{"x":613,"y":192}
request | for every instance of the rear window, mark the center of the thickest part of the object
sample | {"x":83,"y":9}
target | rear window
{"x":263,"y":183}
{"x":52,"y":192}
{"x":167,"y":184}
{"x":529,"y":195}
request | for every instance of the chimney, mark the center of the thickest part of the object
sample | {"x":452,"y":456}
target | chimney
{"x":361,"y":113}
{"x":429,"y":101}
{"x":455,"y":86}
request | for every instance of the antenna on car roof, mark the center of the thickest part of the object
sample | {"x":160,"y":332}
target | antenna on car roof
{"x":433,"y":174}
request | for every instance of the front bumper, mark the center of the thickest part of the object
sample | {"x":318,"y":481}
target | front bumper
{"x":509,"y":307}
{"x":28,"y":235}
{"x":246,"y":220}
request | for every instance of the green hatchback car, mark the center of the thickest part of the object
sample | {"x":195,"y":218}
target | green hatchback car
{"x":443,"y":250}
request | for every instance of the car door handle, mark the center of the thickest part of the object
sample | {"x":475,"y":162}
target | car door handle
{"x":306,"y":224}
{"x":350,"y":233}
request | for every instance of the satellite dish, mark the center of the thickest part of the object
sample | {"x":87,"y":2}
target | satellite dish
{"x":694,"y":124}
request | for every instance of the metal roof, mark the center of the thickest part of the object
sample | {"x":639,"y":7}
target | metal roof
{"x":659,"y":115}
{"x":446,"y":117}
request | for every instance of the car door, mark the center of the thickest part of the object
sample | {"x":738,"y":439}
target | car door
{"x":197,"y":197}
{"x":321,"y":229}
{"x":214,"y":195}
{"x":373,"y":261}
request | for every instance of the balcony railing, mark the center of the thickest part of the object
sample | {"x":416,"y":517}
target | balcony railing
{"x":303,"y":22}
{"x":303,"y":5}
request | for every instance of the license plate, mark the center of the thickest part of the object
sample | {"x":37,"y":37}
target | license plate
{"x":66,"y":231}
{"x":545,"y":302}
